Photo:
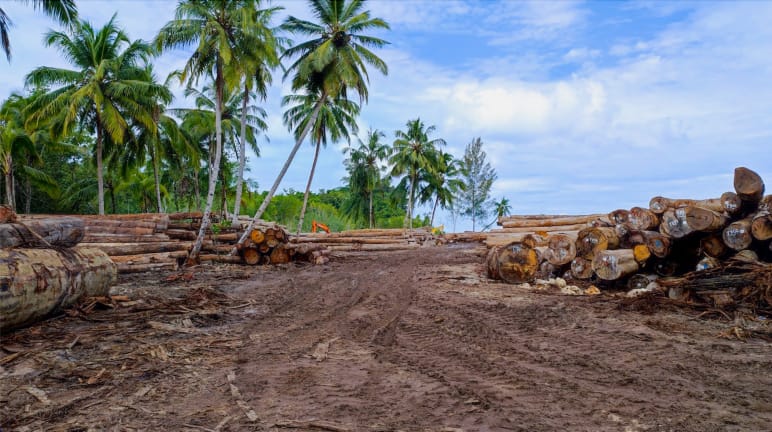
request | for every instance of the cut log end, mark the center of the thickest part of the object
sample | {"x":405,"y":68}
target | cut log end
{"x":748,"y":184}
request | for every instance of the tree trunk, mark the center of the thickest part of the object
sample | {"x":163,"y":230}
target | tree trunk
{"x":308,"y":187}
{"x":56,"y":231}
{"x":197,"y":190}
{"x":100,"y":177}
{"x":39,"y":282}
{"x":614,"y":264}
{"x":581,"y":268}
{"x":642,"y":219}
{"x":283,"y":171}
{"x":434,"y":209}
{"x":563,"y":249}
{"x":702,"y":219}
{"x":28,"y":196}
{"x":9,"y":184}
{"x":156,"y":178}
{"x":372,"y":218}
{"x":748,"y":184}
{"x":738,"y":234}
{"x":593,"y":240}
{"x":242,"y":155}
{"x":410,"y":201}
{"x":213,"y":169}
{"x":761,"y":226}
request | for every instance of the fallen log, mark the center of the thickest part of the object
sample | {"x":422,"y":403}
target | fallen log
{"x":186,"y":215}
{"x":117,"y":238}
{"x":517,"y":263}
{"x":592,"y":240}
{"x":614,"y":264}
{"x":581,"y":268}
{"x":114,"y":249}
{"x":643,"y":219}
{"x":703,"y":219}
{"x":58,"y":231}
{"x":748,"y":185}
{"x":39,"y":282}
{"x":546,"y":229}
{"x":562,"y":247}
{"x":761,"y":226}
{"x":738,"y":234}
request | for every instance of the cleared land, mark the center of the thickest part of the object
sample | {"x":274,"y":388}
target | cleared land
{"x":381,"y":341}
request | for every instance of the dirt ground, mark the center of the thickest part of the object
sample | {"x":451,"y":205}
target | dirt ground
{"x":410,"y":341}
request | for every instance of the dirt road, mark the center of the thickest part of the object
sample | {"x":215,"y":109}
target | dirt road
{"x":412,"y":341}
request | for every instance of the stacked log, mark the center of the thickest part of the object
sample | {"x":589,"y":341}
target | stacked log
{"x":670,"y":238}
{"x":41,"y":270}
{"x":370,"y":240}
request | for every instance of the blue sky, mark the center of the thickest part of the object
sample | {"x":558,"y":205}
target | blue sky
{"x":583,"y":106}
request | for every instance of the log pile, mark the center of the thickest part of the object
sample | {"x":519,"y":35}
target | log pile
{"x":670,"y":238}
{"x":42,"y":270}
{"x":345,"y":242}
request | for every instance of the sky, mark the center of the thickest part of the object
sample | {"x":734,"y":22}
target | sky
{"x":583,"y":107}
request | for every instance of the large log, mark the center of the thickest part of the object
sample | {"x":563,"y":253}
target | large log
{"x":674,"y":223}
{"x":581,"y":268}
{"x":188,"y":215}
{"x":640,"y":218}
{"x":38,"y":282}
{"x":761,"y":225}
{"x":492,"y":263}
{"x":56,"y":231}
{"x":563,"y":249}
{"x":703,"y":219}
{"x":738,"y":234}
{"x":592,"y":240}
{"x":614,"y":264}
{"x":518,"y":263}
{"x":167,"y":257}
{"x":279,"y":255}
{"x":118,"y":230}
{"x":118,"y":238}
{"x":660,"y":204}
{"x":114,"y":249}
{"x":731,"y":203}
{"x":748,"y":184}
{"x":620,"y":216}
{"x":658,"y":244}
{"x":555,"y":228}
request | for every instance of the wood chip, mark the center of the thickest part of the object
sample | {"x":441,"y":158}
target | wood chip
{"x":248,"y":411}
{"x":39,"y":395}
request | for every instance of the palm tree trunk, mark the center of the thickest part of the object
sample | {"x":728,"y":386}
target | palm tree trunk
{"x":100,"y":177}
{"x":9,"y":183}
{"x":372,"y":218}
{"x":434,"y":209}
{"x":213,"y":169}
{"x":284,"y":169}
{"x":197,"y":190}
{"x":242,"y":155}
{"x":410,"y":202}
{"x":308,"y":187}
{"x":28,"y":196}
{"x":159,"y":205}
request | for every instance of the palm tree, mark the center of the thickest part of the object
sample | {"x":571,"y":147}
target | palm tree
{"x":413,"y":154}
{"x":501,"y":208}
{"x":441,"y":182}
{"x":102,"y":92}
{"x":366,"y":161}
{"x":256,"y":56}
{"x":329,"y":64}
{"x":64,"y":11}
{"x":333,"y":122}
{"x":214,"y":27}
{"x":15,"y":143}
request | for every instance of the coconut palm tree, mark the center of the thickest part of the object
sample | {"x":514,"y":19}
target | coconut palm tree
{"x":257,"y":54}
{"x":332,"y":63}
{"x":63,"y":11}
{"x":15,"y":143}
{"x":366,"y":162}
{"x":334,"y":121}
{"x":102,"y":91}
{"x":413,"y":154}
{"x":501,"y":208}
{"x":441,"y":182}
{"x":214,"y":27}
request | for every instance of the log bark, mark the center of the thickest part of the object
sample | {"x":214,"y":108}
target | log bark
{"x":534,"y":240}
{"x":738,"y":234}
{"x":640,"y":218}
{"x":492,"y":263}
{"x":761,"y":226}
{"x":517,"y":263}
{"x":548,"y":220}
{"x":703,"y":219}
{"x":748,"y":184}
{"x":186,"y":215}
{"x":59,"y":231}
{"x":116,"y":249}
{"x":563,"y":249}
{"x":7,"y":215}
{"x":614,"y":264}
{"x":39,"y":282}
{"x":555,"y":228}
{"x":117,"y":238}
{"x":581,"y":268}
{"x":592,"y":240}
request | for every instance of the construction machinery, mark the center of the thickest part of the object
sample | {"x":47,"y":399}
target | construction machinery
{"x":315,"y":226}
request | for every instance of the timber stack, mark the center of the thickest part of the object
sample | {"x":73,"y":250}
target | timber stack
{"x":634,"y":247}
{"x":355,"y":241}
{"x":43,"y":269}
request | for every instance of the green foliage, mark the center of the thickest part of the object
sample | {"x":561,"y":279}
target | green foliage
{"x":478,"y":177}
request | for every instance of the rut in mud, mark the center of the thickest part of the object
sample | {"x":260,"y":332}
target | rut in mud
{"x":419,"y":340}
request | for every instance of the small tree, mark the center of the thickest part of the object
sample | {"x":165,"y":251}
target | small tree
{"x":478,"y":177}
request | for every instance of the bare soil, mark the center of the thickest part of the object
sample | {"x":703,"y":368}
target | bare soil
{"x":411,"y":341}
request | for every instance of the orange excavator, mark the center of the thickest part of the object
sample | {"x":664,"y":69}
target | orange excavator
{"x":315,"y":226}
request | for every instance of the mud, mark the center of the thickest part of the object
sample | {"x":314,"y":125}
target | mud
{"x":411,"y":341}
